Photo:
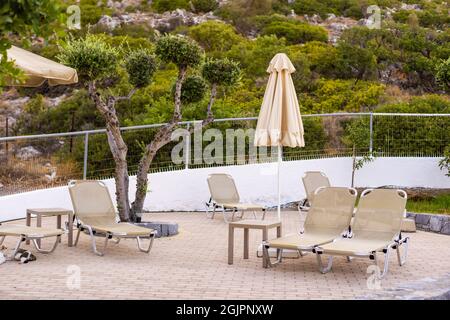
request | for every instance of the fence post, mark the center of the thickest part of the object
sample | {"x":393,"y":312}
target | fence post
{"x":86,"y":148}
{"x":371,"y":133}
{"x":187,"y":147}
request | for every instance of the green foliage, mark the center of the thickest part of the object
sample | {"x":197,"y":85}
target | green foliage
{"x":254,"y":56}
{"x":193,"y":89}
{"x":140,"y":66}
{"x":302,"y":77}
{"x":323,"y":59}
{"x":38,"y":117}
{"x":444,"y":163}
{"x":348,"y":8}
{"x":427,"y":18}
{"x":443,"y":74}
{"x":439,"y":204}
{"x":432,"y":103}
{"x":179,"y":50}
{"x":295,"y":32}
{"x":92,"y":57}
{"x":36,"y":105}
{"x":91,"y":12}
{"x":215,"y":37}
{"x":356,"y":62}
{"x":223,"y":72}
{"x":142,"y":31}
{"x":205,"y":5}
{"x":241,"y":12}
{"x":423,"y":135}
{"x":169,"y":5}
{"x":342,"y":95}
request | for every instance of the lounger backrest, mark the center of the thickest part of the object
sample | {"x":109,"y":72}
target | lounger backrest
{"x":332,"y":209}
{"x":312,"y":180}
{"x":222,"y":188}
{"x":380,"y":211}
{"x":91,"y":199}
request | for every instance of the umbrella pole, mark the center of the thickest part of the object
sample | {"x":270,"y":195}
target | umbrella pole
{"x":279,"y":184}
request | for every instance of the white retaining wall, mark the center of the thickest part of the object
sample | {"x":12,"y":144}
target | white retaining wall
{"x":187,"y":190}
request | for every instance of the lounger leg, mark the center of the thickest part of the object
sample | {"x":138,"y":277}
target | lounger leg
{"x":323,"y":269}
{"x":17,"y":247}
{"x":264,"y":214}
{"x":213,"y":211}
{"x":386,"y":262}
{"x":225,"y":215}
{"x":78,"y":237}
{"x":152,"y":237}
{"x":38,"y":247}
{"x":266,"y":256}
{"x":2,"y":239}
{"x":401,"y":260}
{"x":349,"y":259}
{"x":254,"y":214}
{"x":94,"y":247}
{"x":232,"y":215}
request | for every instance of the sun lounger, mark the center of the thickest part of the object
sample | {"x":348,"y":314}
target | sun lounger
{"x":95,"y":213}
{"x":225,"y":195}
{"x":328,"y":218}
{"x":30,"y":233}
{"x":311,"y":181}
{"x":376,"y":229}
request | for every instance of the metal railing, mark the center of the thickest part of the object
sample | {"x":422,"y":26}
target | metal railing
{"x":326,"y":135}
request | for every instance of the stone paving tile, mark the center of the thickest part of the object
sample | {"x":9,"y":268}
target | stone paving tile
{"x":193,"y":265}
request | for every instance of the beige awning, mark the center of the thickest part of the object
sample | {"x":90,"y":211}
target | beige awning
{"x":39,"y":69}
{"x":279,"y":121}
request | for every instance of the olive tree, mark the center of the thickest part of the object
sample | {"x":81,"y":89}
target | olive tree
{"x":183,"y":52}
{"x":97,"y":62}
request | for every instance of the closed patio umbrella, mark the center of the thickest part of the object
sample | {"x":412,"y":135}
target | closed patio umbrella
{"x":38,"y":69}
{"x":279,"y":122}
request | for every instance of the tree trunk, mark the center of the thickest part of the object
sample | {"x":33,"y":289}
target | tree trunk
{"x":118,"y":149}
{"x":162,"y":137}
{"x":353,"y":166}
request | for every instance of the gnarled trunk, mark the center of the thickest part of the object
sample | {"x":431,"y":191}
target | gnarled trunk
{"x":162,"y":137}
{"x":118,"y":149}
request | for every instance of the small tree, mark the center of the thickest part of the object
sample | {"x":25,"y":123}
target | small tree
{"x":444,"y":163}
{"x":95,"y":61}
{"x":443,"y":74}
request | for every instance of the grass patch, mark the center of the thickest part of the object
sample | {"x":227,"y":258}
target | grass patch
{"x":440,"y":204}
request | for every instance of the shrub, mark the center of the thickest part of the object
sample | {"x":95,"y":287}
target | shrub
{"x":221,"y":72}
{"x":169,"y":5}
{"x":215,"y":36}
{"x":193,"y":90}
{"x":296,"y":33}
{"x":92,"y":57}
{"x":179,"y":50}
{"x":205,"y":5}
{"x":140,"y":66}
{"x":443,"y":74}
{"x":91,"y":13}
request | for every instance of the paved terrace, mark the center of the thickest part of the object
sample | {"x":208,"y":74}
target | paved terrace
{"x":193,"y":265}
